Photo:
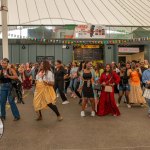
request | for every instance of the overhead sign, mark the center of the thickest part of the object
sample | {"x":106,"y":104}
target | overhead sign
{"x":89,"y":46}
{"x":89,"y":31}
{"x":129,"y":50}
{"x":42,"y":58}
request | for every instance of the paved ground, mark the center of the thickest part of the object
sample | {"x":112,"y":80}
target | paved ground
{"x":130,"y":131}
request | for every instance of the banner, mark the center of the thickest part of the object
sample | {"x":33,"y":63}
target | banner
{"x":89,"y":46}
{"x":89,"y":31}
{"x":129,"y":50}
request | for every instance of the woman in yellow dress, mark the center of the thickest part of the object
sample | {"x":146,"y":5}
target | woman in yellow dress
{"x":45,"y":95}
{"x":136,"y":93}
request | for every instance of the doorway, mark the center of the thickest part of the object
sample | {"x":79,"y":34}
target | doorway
{"x":122,"y":59}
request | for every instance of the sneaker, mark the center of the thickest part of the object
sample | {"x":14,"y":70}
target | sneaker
{"x":65,"y":102}
{"x":82,"y":114}
{"x":59,"y":118}
{"x":93,"y":113}
{"x":128,"y":105}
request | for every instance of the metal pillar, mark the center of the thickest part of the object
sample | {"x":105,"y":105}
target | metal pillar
{"x":147,"y":52}
{"x":4,"y":10}
{"x":108,"y":54}
{"x":115,"y":53}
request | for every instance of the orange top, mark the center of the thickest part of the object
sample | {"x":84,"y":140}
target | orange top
{"x":134,"y":78}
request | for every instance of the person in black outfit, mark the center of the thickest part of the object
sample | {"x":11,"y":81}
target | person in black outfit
{"x":67,"y":77}
{"x":59,"y":80}
{"x":124,"y":87}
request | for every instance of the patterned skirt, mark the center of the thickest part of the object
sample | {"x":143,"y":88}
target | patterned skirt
{"x":44,"y":95}
{"x":136,"y":95}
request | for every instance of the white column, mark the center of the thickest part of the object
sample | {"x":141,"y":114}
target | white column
{"x":4,"y":11}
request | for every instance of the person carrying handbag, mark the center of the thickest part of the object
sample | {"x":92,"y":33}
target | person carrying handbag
{"x":146,"y":81}
{"x":107,"y":104}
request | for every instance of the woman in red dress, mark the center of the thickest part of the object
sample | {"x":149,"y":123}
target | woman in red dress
{"x":27,"y":83}
{"x":107,"y":104}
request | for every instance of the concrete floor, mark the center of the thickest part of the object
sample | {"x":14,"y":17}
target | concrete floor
{"x":130,"y":131}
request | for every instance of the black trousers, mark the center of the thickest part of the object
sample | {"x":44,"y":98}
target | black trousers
{"x":53,"y":107}
{"x":67,"y":83}
{"x":59,"y":84}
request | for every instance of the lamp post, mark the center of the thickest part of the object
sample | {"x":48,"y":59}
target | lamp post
{"x":4,"y":11}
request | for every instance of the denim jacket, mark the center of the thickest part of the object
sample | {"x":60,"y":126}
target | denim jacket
{"x":146,"y":76}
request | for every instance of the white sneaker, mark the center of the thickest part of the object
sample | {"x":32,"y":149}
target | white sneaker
{"x":93,"y":113}
{"x":128,"y":105}
{"x":65,"y":102}
{"x":82,"y":114}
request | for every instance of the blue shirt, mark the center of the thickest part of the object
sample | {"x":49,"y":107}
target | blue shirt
{"x":146,"y":76}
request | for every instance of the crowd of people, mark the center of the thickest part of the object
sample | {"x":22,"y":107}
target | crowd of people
{"x":94,"y":85}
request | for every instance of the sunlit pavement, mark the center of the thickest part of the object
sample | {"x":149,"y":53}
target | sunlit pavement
{"x":129,"y":131}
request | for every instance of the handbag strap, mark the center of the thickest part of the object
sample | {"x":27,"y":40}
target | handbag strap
{"x":109,"y":79}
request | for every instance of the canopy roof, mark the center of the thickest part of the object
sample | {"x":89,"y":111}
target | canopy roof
{"x":61,"y":12}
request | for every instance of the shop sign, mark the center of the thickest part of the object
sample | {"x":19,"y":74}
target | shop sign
{"x":89,"y":46}
{"x":129,"y":50}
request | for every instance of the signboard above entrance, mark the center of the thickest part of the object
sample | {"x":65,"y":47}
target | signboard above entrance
{"x":129,"y":50}
{"x":89,"y":46}
{"x":42,"y":58}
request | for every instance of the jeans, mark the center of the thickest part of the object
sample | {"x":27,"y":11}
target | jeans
{"x":73,"y":84}
{"x":76,"y":89}
{"x":5,"y":94}
{"x":148,"y":101}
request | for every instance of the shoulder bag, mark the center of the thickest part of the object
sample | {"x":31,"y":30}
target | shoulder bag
{"x":108,"y":88}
